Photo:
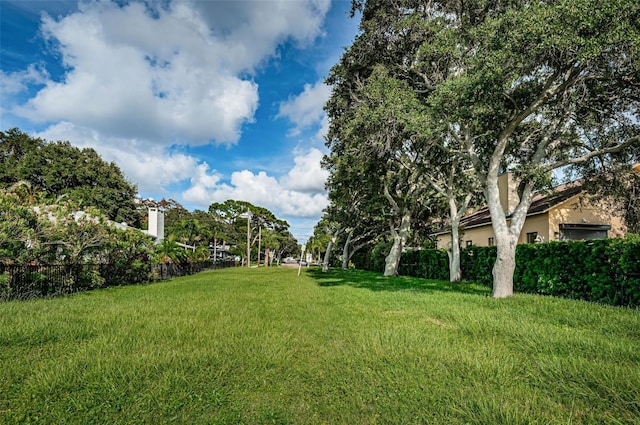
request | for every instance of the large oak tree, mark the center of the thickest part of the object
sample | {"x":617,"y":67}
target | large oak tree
{"x":512,"y":85}
{"x":539,"y":86}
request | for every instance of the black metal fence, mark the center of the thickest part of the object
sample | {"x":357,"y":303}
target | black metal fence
{"x":48,"y":280}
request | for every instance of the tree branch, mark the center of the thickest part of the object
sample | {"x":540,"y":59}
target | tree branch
{"x":581,"y":159}
{"x":392,"y":201}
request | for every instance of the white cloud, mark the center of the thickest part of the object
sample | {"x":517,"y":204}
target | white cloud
{"x":264,"y":190}
{"x":166,"y":71}
{"x":128,"y":84}
{"x":259,"y":189}
{"x":145,"y":76}
{"x":253,"y":31}
{"x":306,"y":109}
{"x":17,"y":82}
{"x":307,"y":175}
{"x":299,"y":193}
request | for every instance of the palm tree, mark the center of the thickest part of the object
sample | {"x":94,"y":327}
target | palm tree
{"x":28,"y":193}
{"x":168,"y":251}
{"x":199,"y":255}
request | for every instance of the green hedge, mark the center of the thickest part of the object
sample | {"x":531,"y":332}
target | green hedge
{"x":374,"y":259}
{"x":426,"y":263}
{"x":477,"y":263}
{"x":606,"y":270}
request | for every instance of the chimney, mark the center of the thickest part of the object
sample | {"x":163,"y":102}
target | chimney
{"x":508,"y":187}
{"x":156,"y":223}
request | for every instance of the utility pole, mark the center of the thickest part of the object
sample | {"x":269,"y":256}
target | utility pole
{"x":248,"y":238}
{"x":259,"y":240}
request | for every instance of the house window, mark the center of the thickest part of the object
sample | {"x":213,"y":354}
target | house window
{"x":583,"y":231}
{"x":469,"y":243}
{"x":531,"y":237}
{"x":491,"y":242}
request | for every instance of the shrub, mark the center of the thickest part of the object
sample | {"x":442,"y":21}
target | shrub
{"x":5,"y":285}
{"x":596,"y":270}
{"x":379,"y":254}
{"x":425,"y":263}
{"x":605,"y":270}
{"x":477,"y":263}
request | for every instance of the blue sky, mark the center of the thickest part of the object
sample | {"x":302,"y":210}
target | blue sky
{"x":199,"y":101}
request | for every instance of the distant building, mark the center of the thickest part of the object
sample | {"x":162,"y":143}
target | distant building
{"x":561,"y":214}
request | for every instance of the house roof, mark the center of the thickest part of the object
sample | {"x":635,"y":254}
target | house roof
{"x":542,"y":202}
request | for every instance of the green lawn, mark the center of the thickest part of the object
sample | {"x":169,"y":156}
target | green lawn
{"x":263,"y":346}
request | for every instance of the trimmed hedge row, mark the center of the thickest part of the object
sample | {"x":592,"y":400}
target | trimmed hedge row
{"x":605,"y":270}
{"x":426,"y":263}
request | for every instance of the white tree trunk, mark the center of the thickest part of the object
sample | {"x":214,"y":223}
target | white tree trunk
{"x":504,"y":266}
{"x":327,"y":254}
{"x":455,"y":273}
{"x":392,"y":261}
{"x":507,"y":234}
{"x":345,"y":252}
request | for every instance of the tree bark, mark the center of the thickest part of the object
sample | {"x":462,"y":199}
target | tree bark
{"x":345,"y":252}
{"x":455,"y":273}
{"x":392,"y":261}
{"x":327,"y":254}
{"x":504,"y":266}
{"x":507,"y":234}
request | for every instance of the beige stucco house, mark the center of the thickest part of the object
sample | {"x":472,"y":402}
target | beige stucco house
{"x":561,"y":214}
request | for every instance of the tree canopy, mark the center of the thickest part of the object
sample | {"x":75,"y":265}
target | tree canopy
{"x":55,"y":169}
{"x":510,"y":85}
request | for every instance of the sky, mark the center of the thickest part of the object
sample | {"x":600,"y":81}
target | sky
{"x":198,"y":101}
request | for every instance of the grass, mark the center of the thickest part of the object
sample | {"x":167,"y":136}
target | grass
{"x":263,"y":346}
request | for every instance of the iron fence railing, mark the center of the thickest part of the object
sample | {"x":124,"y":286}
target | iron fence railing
{"x":47,"y":280}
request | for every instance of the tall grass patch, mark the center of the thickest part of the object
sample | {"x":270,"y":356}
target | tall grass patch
{"x":266,"y":346}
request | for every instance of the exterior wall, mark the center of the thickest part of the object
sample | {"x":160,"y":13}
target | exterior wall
{"x":537,"y":223}
{"x":547,"y":225}
{"x":573,"y":212}
{"x":443,"y":241}
{"x":479,"y":236}
{"x":508,"y":188}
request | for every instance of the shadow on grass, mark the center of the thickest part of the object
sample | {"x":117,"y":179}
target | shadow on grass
{"x":378,"y":282}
